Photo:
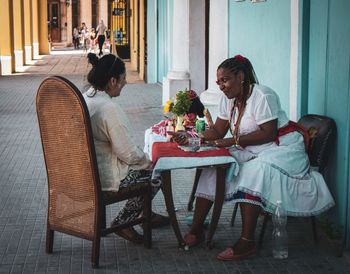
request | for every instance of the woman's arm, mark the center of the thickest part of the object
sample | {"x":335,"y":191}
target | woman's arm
{"x":265,"y":134}
{"x":217,"y":131}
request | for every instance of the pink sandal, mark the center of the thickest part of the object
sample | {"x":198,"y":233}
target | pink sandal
{"x":229,"y":253}
{"x":192,"y":240}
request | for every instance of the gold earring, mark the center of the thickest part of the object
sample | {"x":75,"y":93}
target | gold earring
{"x":242,"y":82}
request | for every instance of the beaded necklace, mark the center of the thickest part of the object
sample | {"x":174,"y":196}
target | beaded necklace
{"x":240,"y":110}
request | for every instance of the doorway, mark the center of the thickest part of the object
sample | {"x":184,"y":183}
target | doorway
{"x":54,"y":21}
{"x":121,"y":27}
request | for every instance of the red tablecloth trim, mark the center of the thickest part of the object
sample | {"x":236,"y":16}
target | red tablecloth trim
{"x":170,"y":149}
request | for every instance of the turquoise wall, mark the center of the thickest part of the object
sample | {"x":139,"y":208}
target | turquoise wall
{"x":164,"y":38}
{"x":159,"y":39}
{"x":328,"y":90}
{"x":261,"y":32}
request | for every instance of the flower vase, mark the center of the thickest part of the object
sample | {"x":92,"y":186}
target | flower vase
{"x":179,"y":123}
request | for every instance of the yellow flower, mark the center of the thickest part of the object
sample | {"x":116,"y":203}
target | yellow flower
{"x":168,"y":106}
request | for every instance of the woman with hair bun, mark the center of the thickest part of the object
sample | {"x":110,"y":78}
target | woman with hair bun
{"x":120,"y":161}
{"x":277,"y":168}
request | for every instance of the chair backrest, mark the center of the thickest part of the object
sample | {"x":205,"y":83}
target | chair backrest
{"x":322,"y":132}
{"x":73,"y":182}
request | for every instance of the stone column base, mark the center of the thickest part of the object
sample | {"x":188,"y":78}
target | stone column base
{"x":172,"y":86}
{"x":174,"y":82}
{"x":210,"y":99}
{"x":5,"y":65}
{"x":27,"y":54}
{"x":18,"y":59}
{"x":35,"y":51}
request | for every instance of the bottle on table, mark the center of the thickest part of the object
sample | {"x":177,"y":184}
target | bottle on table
{"x":279,"y":234}
{"x":170,"y":129}
{"x":200,"y":126}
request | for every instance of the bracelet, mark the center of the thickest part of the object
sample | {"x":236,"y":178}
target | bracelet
{"x":235,"y":140}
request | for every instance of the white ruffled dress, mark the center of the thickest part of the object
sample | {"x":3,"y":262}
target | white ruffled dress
{"x":277,"y":172}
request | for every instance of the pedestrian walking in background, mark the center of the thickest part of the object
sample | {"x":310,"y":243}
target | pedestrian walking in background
{"x":76,"y":37}
{"x":84,"y":32}
{"x":92,"y":37}
{"x":101,"y":36}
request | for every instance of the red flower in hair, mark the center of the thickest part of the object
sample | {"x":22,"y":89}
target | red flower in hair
{"x":240,"y":58}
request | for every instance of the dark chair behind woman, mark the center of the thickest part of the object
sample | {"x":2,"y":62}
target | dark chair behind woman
{"x":76,"y":203}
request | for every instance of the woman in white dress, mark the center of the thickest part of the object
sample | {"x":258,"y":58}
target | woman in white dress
{"x":278,"y":167}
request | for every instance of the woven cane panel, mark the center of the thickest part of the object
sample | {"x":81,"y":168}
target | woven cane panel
{"x":67,"y":157}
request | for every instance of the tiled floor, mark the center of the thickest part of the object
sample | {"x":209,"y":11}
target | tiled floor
{"x":23,"y":198}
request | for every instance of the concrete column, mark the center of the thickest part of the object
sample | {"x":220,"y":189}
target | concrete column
{"x":85,"y":13}
{"x":27,"y":34}
{"x":35,"y":29}
{"x":197,"y":45}
{"x":133,"y":34}
{"x":5,"y":39}
{"x":18,"y":31}
{"x":69,"y":25}
{"x":44,"y":45}
{"x":218,"y":50}
{"x":178,"y":77}
{"x":102,"y":12}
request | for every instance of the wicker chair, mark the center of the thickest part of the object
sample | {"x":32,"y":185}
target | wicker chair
{"x":76,"y":203}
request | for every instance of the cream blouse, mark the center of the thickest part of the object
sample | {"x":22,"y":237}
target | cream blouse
{"x":115,"y":147}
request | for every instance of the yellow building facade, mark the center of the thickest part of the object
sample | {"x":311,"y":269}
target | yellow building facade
{"x":24,"y":35}
{"x":35,"y":26}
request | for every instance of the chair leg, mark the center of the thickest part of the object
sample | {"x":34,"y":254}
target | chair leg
{"x":314,"y":230}
{"x":262,"y":232}
{"x":234,"y":213}
{"x":49,"y":239}
{"x":194,"y":188}
{"x":95,"y":255}
{"x":147,"y":214}
{"x":103,"y":217}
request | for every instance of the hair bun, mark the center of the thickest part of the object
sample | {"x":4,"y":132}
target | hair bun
{"x":93,"y":59}
{"x":240,"y":58}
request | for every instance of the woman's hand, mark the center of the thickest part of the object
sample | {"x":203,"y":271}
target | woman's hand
{"x":180,"y":138}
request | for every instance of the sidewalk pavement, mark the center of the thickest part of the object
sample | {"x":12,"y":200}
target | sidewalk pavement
{"x":23,"y":197}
